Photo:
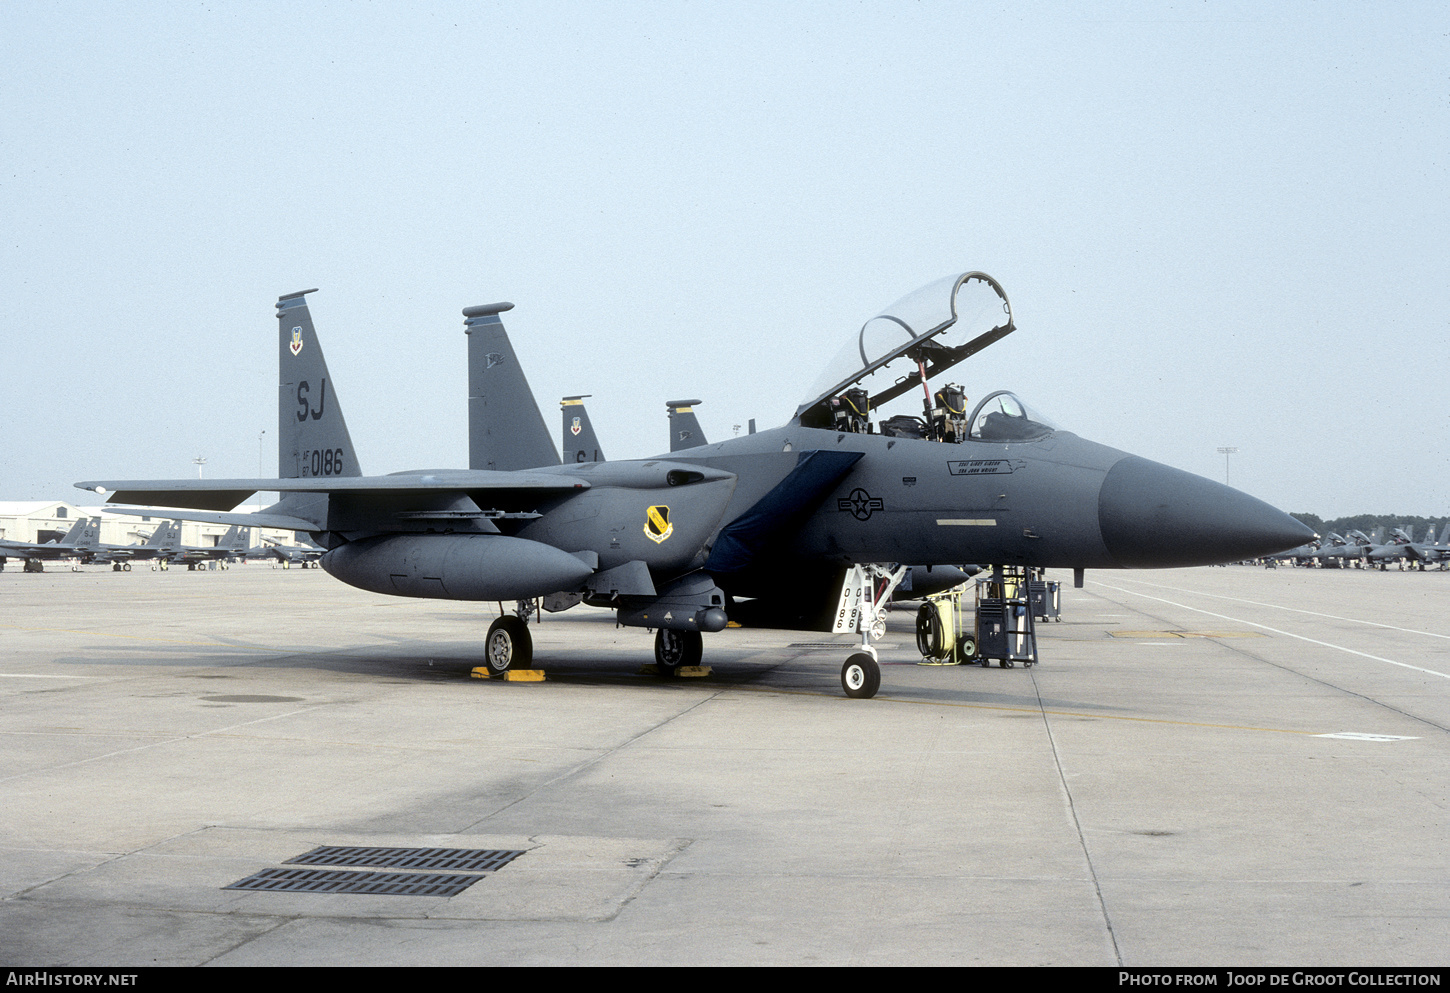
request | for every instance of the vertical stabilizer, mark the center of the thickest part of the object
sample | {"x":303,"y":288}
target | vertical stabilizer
{"x":684,"y":427}
{"x":579,"y":444}
{"x":312,"y":438}
{"x":167,"y":535}
{"x":505,"y":429}
{"x":237,"y":539}
{"x":90,"y":535}
{"x":73,"y":536}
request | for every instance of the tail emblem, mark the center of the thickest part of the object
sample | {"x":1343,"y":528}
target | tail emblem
{"x":574,"y":428}
{"x":296,"y":345}
{"x":657,"y":526}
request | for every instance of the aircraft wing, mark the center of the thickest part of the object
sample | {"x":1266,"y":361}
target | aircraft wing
{"x":17,"y":547}
{"x":224,"y":494}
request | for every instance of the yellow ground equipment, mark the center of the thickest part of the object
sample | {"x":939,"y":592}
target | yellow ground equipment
{"x":946,"y":632}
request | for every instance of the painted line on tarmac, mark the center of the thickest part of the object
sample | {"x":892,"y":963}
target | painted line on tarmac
{"x":1287,"y":634}
{"x":1296,"y":610}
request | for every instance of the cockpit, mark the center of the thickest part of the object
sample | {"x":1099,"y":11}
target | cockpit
{"x":924,"y":333}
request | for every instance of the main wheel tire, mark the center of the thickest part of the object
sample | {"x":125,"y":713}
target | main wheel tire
{"x":860,"y":676}
{"x":674,"y":649}
{"x":507,"y":646}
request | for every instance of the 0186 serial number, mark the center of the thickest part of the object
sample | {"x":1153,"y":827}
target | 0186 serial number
{"x":322,"y":462}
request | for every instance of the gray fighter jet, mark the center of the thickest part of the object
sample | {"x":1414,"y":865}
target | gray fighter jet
{"x":1343,"y":552}
{"x":154,"y":549}
{"x":1302,"y":555}
{"x":809,"y":520}
{"x":1395,"y":550}
{"x":1402,"y":548}
{"x":303,"y":556}
{"x":73,"y":545}
{"x":230,"y":546}
{"x":1430,"y":552}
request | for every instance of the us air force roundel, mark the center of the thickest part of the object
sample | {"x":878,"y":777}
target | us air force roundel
{"x":296,"y":345}
{"x":657,"y":524}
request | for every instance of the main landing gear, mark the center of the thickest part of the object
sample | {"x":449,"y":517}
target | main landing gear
{"x":676,"y":649}
{"x":508,"y":645}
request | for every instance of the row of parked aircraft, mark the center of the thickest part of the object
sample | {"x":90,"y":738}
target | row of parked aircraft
{"x":1360,"y":551}
{"x":81,"y":545}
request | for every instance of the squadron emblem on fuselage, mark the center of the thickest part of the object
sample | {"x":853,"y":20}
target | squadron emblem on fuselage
{"x":657,"y":526}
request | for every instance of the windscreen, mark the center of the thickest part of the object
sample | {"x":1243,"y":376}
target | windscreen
{"x":1002,"y":417}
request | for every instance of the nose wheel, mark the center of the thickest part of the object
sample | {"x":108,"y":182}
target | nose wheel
{"x":861,"y":676}
{"x":861,"y":609}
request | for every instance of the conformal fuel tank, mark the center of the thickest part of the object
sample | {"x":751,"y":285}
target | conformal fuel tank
{"x":456,"y":566}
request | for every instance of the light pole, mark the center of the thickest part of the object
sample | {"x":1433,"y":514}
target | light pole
{"x":200,"y":461}
{"x":1226,"y":452}
{"x":261,"y":462}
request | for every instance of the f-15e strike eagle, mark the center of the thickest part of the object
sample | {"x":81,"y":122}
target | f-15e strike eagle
{"x":805,"y":525}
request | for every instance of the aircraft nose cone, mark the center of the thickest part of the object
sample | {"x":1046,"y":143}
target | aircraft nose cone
{"x":1155,"y":516}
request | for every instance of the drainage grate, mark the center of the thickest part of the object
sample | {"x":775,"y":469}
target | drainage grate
{"x":435,"y":859}
{"x":337,"y":881}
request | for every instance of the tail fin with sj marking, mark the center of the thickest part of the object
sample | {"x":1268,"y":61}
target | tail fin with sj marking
{"x":580,"y":444}
{"x":89,"y":535}
{"x":312,"y":438}
{"x":237,"y":539}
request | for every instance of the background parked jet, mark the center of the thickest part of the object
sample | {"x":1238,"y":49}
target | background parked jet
{"x":120,"y":557}
{"x":1394,"y":550}
{"x":1302,"y":555}
{"x":1337,"y":552}
{"x":71,"y":546}
{"x":1426,"y":552}
{"x":231,"y":545}
{"x":304,"y":556}
{"x":774,"y":516}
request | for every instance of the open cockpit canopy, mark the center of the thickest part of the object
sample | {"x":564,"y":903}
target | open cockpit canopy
{"x":923,"y":334}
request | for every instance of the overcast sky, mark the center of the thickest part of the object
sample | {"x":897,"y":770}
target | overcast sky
{"x":1220,"y":224}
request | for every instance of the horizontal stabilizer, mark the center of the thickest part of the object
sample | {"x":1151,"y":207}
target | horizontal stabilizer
{"x":780,"y":512}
